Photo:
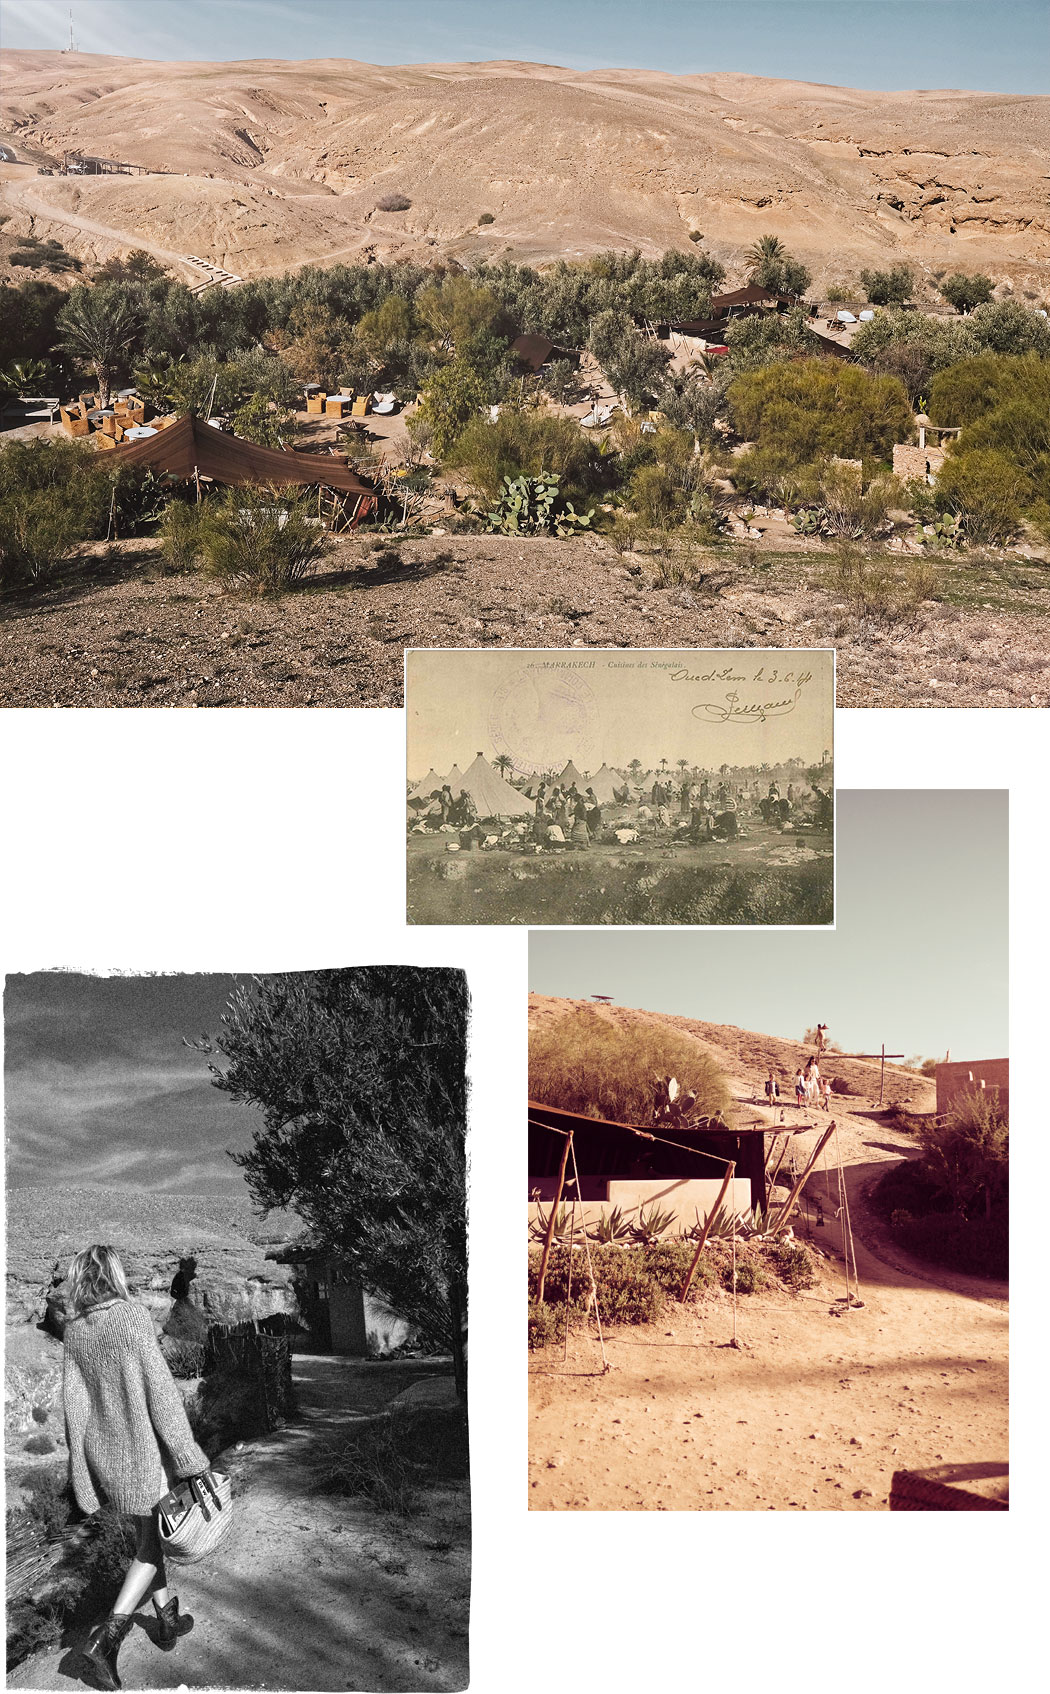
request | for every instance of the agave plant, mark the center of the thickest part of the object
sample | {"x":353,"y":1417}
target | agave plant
{"x":542,"y":1224}
{"x":611,"y":1226}
{"x":652,"y":1224}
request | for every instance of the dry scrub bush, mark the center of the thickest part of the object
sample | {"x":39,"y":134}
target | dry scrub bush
{"x":852,"y":511}
{"x":584,"y":1063}
{"x":258,"y":540}
{"x":875,"y":588}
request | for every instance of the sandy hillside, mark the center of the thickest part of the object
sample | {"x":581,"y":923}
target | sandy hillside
{"x":262,"y":164}
{"x":819,"y":1405}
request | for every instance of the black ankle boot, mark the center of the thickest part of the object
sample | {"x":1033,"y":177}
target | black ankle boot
{"x":104,"y":1642}
{"x":169,"y":1624}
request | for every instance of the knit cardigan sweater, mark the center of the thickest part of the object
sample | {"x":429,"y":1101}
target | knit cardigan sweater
{"x":126,"y":1425}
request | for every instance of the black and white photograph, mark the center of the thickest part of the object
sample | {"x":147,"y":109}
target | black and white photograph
{"x":620,"y":787}
{"x":236,"y":1437}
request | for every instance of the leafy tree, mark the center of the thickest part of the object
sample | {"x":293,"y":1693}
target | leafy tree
{"x":766,"y":338}
{"x":1005,"y":326}
{"x":456,"y":310}
{"x":99,"y":327}
{"x":454,"y":395}
{"x":29,"y":320}
{"x":360,"y":1077}
{"x":890,"y":287}
{"x":138,"y":266}
{"x":966,"y":292}
{"x":316,"y":343}
{"x":771,"y":266}
{"x":523,"y":442}
{"x":693,"y":403}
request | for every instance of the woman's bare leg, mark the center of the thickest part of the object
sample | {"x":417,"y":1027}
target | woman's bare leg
{"x":146,"y":1570}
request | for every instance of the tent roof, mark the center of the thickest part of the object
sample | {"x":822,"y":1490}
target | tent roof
{"x":454,"y":780}
{"x":191,"y":445}
{"x":571,"y":774}
{"x":753,"y":295}
{"x":424,"y":789}
{"x":493,"y":797}
{"x":604,"y":783}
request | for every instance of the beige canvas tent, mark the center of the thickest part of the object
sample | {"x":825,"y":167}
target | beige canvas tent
{"x":493,"y":797}
{"x":570,"y":774}
{"x":454,"y":780}
{"x":423,"y":790}
{"x":604,"y":782}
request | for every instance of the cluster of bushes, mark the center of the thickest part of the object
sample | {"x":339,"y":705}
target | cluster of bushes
{"x":999,"y":468}
{"x":634,"y":1284}
{"x":951,"y":1204}
{"x":585,"y":1063}
{"x":85,"y":1577}
{"x":34,"y":253}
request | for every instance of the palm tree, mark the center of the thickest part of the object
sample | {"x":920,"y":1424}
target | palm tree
{"x":100,"y":326}
{"x":503,"y":763}
{"x":768,"y":249}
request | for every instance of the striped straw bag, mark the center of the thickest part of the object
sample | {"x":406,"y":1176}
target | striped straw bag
{"x":195,"y":1517}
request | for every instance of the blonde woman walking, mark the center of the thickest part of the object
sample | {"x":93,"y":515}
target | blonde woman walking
{"x":129,"y":1439}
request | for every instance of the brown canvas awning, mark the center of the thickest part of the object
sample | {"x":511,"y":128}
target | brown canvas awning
{"x":191,"y":447}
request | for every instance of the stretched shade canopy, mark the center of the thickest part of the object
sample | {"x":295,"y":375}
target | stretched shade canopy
{"x":189,"y":447}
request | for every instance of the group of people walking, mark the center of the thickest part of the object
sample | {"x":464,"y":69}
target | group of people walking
{"x":566,"y":814}
{"x":811,"y":1089}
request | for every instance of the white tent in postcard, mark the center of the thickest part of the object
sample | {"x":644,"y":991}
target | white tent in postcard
{"x":423,"y":790}
{"x":454,"y":780}
{"x":571,"y":775}
{"x":493,"y":797}
{"x":604,"y":784}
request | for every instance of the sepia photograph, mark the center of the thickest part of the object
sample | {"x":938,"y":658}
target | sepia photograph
{"x":620,"y":787}
{"x":235,"y":1424}
{"x":768,"y":1193}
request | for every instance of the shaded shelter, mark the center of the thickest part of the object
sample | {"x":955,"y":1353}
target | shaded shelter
{"x":617,"y":1151}
{"x":190,"y":450}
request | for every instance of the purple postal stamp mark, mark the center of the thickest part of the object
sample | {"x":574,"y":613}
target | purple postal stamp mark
{"x":545,"y":714}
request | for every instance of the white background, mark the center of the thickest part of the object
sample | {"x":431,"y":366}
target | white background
{"x":244,"y":841}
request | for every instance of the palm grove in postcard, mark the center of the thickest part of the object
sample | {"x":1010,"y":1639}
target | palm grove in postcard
{"x":620,"y":787}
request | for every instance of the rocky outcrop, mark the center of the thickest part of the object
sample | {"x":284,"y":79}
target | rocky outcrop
{"x":234,"y":1281}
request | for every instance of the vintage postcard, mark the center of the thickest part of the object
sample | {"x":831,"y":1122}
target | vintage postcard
{"x":620,"y":787}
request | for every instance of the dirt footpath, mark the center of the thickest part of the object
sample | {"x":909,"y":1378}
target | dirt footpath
{"x":818,"y":1406}
{"x":311,"y":1591}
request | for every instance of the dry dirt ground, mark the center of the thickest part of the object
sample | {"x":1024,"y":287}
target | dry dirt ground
{"x":264,"y":165}
{"x":115,"y":632}
{"x":311,"y":1591}
{"x":820,"y":1404}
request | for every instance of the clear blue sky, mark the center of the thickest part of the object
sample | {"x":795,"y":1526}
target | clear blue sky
{"x":918,"y":958}
{"x":889,"y":44}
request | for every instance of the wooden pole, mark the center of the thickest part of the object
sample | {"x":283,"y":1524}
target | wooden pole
{"x":555,"y":1203}
{"x":780,"y":1161}
{"x":882,"y":1072}
{"x":702,"y":1243}
{"x":792,"y":1199}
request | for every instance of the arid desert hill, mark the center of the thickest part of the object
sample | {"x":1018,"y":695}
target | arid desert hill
{"x":272,"y":164}
{"x":746,"y":1056}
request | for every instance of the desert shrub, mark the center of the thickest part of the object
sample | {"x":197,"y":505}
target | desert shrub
{"x":486,"y":218}
{"x":181,"y":538}
{"x":967,"y":1152}
{"x":654,"y":495}
{"x":546,"y":1325}
{"x":748,"y":1274}
{"x":585,"y":1063}
{"x":53,"y":496}
{"x":259,"y":540}
{"x":393,"y":203}
{"x":987,"y":490}
{"x":792,"y":1263}
{"x":528,"y":443}
{"x":850,"y":509}
{"x":185,"y":1359}
{"x":813,"y":410}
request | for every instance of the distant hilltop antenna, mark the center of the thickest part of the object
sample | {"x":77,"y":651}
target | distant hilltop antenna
{"x":72,"y":42}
